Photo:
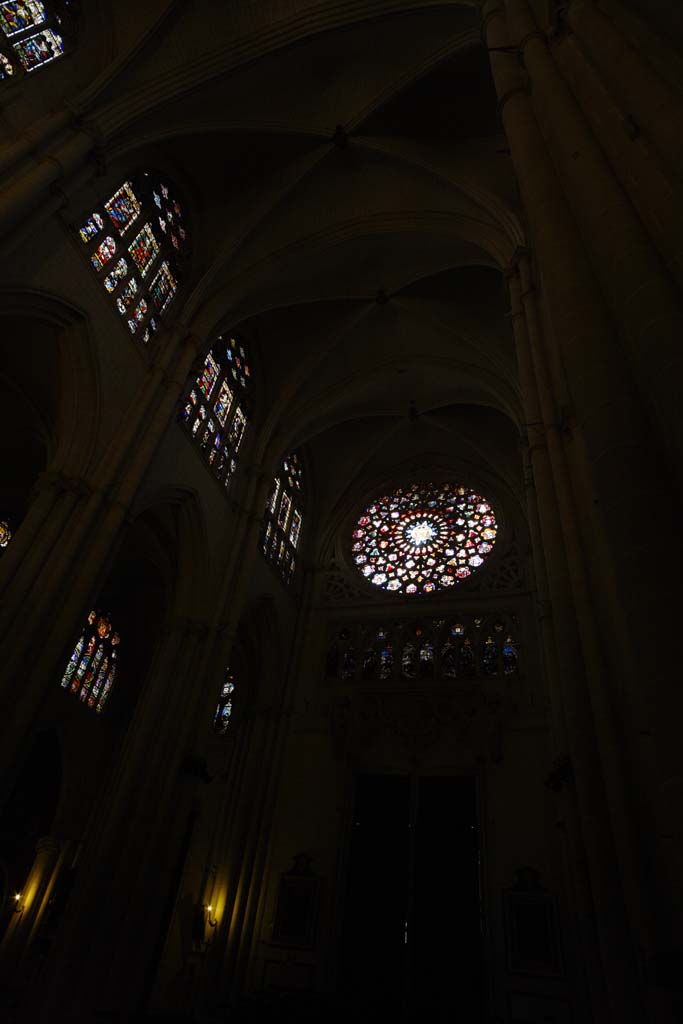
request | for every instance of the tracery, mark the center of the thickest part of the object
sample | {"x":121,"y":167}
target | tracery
{"x":284,"y":518}
{"x":423,"y":538}
{"x":137,"y":243}
{"x":216,"y":410}
{"x":91,"y":670}
{"x":459,"y":648}
{"x":34,"y":33}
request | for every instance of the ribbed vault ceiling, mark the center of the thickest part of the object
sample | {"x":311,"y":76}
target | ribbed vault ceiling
{"x":334,"y":154}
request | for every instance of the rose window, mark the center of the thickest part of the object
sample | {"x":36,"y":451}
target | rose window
{"x":424,"y":538}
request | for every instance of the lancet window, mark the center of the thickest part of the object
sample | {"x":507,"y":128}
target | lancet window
{"x":423,"y":538}
{"x":34,"y":33}
{"x":224,"y":709}
{"x":466,"y":647}
{"x":137,"y":243}
{"x":91,"y":670}
{"x":284,"y":518}
{"x":216,"y":410}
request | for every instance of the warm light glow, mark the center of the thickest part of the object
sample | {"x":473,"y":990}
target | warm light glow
{"x":209,"y":908}
{"x":17,"y":896}
{"x":421,"y":533}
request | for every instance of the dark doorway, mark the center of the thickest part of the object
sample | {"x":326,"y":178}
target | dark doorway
{"x":412,"y":939}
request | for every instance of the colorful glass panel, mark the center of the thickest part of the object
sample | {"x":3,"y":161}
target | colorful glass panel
{"x":423,"y":538}
{"x":103,"y":253}
{"x":237,"y":359}
{"x":5,"y":533}
{"x":295,"y":528}
{"x":38,"y":50}
{"x":282,"y":518}
{"x":123,"y":208}
{"x":223,"y":403}
{"x":283,"y":514}
{"x":293,"y":472}
{"x":272,"y":504}
{"x":113,"y":279}
{"x":127,"y":295}
{"x":139,"y":314}
{"x":92,"y":227}
{"x":6,"y":68}
{"x":144,"y":249}
{"x":91,"y":669}
{"x":19,"y":15}
{"x":162,"y":288}
{"x":216,"y":383}
{"x":237,"y":429}
{"x":208,"y":376}
{"x":224,"y":708}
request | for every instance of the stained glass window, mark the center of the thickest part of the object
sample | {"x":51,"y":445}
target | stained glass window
{"x":283,"y":517}
{"x":91,"y":670}
{"x":221,"y":719}
{"x":423,"y":538}
{"x":471,"y":648}
{"x":5,"y":534}
{"x":142,"y":262}
{"x":216,"y":410}
{"x":33,"y":33}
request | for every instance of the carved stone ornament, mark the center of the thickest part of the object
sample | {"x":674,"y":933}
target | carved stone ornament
{"x":339,"y":586}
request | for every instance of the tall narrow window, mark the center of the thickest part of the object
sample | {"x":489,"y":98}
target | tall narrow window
{"x":216,"y":409}
{"x":224,"y":709}
{"x":34,"y":33}
{"x":91,"y":669}
{"x":283,"y":518}
{"x":137,"y":243}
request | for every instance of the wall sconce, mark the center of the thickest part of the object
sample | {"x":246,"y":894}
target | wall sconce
{"x":18,"y":907}
{"x":200,"y":918}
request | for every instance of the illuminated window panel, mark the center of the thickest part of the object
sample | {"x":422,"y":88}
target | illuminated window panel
{"x":423,"y":538}
{"x":221,"y":718}
{"x":123,"y":208}
{"x":18,"y":15}
{"x":90,"y":672}
{"x":118,"y":274}
{"x":283,"y":518}
{"x":223,"y":403}
{"x":162,"y":288}
{"x":92,"y":227}
{"x":226,"y":395}
{"x":158,"y":260}
{"x":40,"y":49}
{"x":5,"y":534}
{"x":144,"y":249}
{"x":103,"y":253}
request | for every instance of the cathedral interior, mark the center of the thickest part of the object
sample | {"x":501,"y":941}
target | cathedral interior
{"x":341,"y":404}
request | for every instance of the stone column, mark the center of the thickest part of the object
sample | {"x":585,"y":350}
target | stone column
{"x":640,"y":297}
{"x":649,"y":100}
{"x":69,"y":579}
{"x":31,"y":179}
{"x":122,"y":886}
{"x":648,"y":179}
{"x":25,"y":927}
{"x":574,"y":736}
{"x":604,"y":471}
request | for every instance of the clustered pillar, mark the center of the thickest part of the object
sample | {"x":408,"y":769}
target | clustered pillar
{"x":597,"y":319}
